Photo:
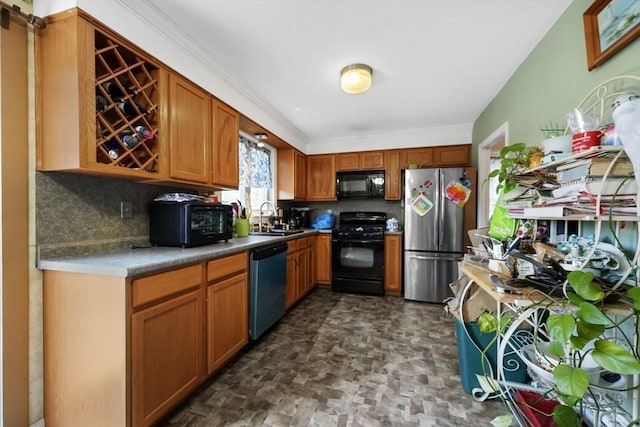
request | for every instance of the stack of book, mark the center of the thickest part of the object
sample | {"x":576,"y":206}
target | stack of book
{"x":577,"y":188}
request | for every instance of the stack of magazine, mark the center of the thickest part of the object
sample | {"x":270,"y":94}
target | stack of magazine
{"x":576,"y":188}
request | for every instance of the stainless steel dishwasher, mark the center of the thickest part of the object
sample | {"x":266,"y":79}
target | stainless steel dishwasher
{"x":268,"y":282}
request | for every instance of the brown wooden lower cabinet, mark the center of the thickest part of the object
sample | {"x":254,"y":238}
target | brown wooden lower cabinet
{"x":125,"y":351}
{"x":301,"y":269}
{"x":393,"y":264}
{"x":166,"y":356}
{"x":227,"y":309}
{"x":291,"y":293}
{"x":323,"y":259}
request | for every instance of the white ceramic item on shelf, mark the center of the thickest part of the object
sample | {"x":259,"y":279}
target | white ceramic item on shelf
{"x":558,"y":144}
{"x":529,"y":357}
{"x":548,"y":361}
{"x":616,"y":255}
{"x":626,"y":116}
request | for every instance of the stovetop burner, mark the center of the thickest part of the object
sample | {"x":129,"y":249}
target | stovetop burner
{"x":363,"y":218}
{"x":361,"y":226}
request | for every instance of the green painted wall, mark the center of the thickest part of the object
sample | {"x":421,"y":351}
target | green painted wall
{"x":551,"y":82}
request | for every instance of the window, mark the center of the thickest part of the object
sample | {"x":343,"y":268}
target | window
{"x":256,"y":177}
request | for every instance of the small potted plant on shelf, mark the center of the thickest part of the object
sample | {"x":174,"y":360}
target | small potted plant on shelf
{"x":578,"y":340}
{"x":514,"y":160}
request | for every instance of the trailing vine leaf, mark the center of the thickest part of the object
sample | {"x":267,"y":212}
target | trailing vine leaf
{"x":615,"y":358}
{"x":502,"y":421}
{"x":582,"y":282}
{"x":575,"y":299}
{"x":561,"y":326}
{"x":487,"y":322}
{"x":634,"y":294}
{"x":557,"y":348}
{"x":592,"y":314}
{"x":578,"y":342}
{"x":571,"y":380}
{"x":565,"y":416}
{"x":589,"y":331}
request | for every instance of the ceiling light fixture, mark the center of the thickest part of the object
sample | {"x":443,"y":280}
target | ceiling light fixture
{"x":356,"y":78}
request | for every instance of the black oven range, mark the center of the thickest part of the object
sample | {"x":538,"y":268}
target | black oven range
{"x":357,"y":248}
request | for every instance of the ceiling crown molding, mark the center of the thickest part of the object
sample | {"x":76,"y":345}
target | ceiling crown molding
{"x":149,"y":15}
{"x":409,"y":138}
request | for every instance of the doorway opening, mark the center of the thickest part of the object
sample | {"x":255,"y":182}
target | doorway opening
{"x":488,"y":160}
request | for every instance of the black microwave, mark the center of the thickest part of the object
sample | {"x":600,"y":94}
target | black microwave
{"x":362,"y":185}
{"x":189,"y":223}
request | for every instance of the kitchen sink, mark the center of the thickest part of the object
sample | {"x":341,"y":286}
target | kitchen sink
{"x":275,"y":232}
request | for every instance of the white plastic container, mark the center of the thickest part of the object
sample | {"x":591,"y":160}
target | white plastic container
{"x":626,"y":117}
{"x":558,"y":144}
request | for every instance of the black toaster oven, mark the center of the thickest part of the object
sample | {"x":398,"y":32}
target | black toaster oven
{"x":189,"y":223}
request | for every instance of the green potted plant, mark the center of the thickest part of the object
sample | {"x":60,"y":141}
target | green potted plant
{"x":514,"y":160}
{"x":578,"y":326}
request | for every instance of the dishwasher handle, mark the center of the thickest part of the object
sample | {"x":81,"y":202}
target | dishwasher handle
{"x":269,"y":251}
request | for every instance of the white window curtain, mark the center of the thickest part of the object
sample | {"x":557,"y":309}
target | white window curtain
{"x":255,"y":170}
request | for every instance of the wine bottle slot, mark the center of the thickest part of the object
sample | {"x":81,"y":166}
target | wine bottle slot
{"x":144,"y":132}
{"x":113,"y":90}
{"x":101,"y":103}
{"x":129,"y":110}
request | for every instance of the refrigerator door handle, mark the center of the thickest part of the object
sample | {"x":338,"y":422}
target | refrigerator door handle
{"x":438,"y":208}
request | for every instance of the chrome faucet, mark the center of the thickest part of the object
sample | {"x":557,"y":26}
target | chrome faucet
{"x":260,"y":212}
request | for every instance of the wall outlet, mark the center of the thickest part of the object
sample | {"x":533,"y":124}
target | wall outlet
{"x":126,"y":210}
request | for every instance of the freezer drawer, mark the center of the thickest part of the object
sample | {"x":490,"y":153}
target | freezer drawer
{"x":427,"y":275}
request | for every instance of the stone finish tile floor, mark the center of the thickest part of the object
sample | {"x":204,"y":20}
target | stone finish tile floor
{"x":343,"y":360}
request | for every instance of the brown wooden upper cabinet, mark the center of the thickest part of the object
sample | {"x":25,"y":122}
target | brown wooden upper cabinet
{"x":392,"y":175}
{"x":452,"y":155}
{"x":291,"y":174}
{"x":440,"y":156}
{"x":105,"y":107}
{"x":190,"y":131}
{"x":417,"y":158}
{"x":225,"y":171}
{"x":94,"y":91}
{"x":360,"y":161}
{"x":203,"y":137}
{"x":321,"y":177}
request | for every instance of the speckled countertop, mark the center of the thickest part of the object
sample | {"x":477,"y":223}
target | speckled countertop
{"x":135,"y":262}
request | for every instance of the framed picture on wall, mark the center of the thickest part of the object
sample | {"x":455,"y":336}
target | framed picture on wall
{"x":610,"y":25}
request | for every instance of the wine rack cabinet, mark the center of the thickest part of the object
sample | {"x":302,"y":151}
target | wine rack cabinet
{"x":126,"y":106}
{"x":99,"y":101}
{"x":104,"y":107}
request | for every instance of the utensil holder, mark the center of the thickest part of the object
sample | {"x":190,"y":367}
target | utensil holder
{"x":241,"y":226}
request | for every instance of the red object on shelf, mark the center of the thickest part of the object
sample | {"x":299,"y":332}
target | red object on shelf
{"x":539,"y":411}
{"x":585,"y":140}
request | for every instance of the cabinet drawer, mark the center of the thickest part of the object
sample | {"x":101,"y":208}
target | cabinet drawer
{"x":161,"y":285}
{"x":302,"y":243}
{"x":226,"y":266}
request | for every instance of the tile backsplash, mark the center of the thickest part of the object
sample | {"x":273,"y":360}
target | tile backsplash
{"x":393,"y":208}
{"x":80,"y":214}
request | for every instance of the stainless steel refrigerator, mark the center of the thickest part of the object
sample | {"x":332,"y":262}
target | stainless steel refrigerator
{"x":433,"y":233}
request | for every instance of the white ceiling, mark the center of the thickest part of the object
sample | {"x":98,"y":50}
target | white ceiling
{"x":436,"y":63}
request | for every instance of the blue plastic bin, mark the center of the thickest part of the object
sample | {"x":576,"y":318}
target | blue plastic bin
{"x":471,"y":361}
